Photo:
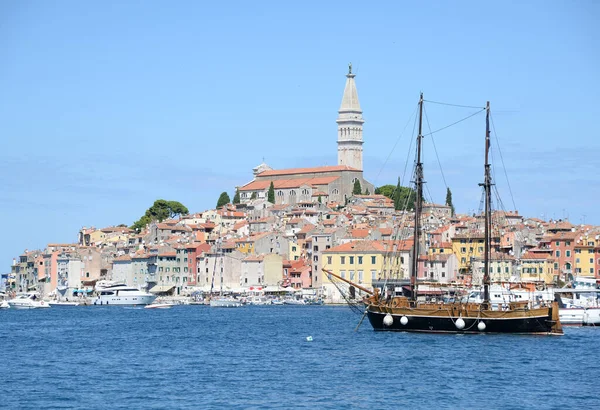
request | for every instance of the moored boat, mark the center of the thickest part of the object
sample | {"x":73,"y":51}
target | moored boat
{"x":122,"y":295}
{"x":30,"y":300}
{"x":407,"y":313}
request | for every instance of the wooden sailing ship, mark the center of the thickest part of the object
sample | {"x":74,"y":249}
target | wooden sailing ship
{"x":406,"y":313}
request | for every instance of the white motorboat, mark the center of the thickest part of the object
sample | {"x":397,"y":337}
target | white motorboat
{"x":578,"y":307}
{"x":225,"y":302}
{"x":294,"y":301}
{"x":122,"y":295}
{"x":259,"y":300}
{"x":29,"y":300}
{"x":159,"y":306}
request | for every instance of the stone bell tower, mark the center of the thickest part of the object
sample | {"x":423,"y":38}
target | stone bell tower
{"x":350,"y":126}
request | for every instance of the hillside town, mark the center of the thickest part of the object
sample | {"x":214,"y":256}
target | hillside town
{"x":286,"y":226}
{"x":258,"y":244}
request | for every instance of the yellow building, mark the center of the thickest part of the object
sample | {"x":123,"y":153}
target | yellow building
{"x":537,"y":266}
{"x":469,"y":246}
{"x":294,"y":251}
{"x":585,"y":255}
{"x":363,"y":262}
{"x":444,"y":248}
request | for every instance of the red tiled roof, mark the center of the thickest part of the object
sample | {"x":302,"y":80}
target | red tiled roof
{"x":359,"y":233}
{"x":292,"y":171}
{"x":288,"y":183}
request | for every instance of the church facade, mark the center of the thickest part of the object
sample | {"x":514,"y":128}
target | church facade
{"x":330,"y":183}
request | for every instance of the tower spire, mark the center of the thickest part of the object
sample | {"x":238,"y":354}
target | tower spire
{"x":350,"y":125}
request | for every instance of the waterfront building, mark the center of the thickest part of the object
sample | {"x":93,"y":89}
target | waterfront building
{"x":261,"y":270}
{"x":439,"y":267}
{"x":364,"y":262}
{"x":563,"y":247}
{"x":585,"y":254}
{"x":537,"y":266}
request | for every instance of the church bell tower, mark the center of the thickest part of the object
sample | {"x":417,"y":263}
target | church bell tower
{"x":350,"y":126}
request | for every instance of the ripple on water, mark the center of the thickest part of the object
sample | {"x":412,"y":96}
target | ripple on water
{"x":193,"y":357}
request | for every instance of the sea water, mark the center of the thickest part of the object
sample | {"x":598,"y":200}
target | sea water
{"x":255,"y":357}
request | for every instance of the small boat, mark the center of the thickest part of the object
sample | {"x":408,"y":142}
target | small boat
{"x":30,"y":300}
{"x":159,"y":306}
{"x":294,"y":301}
{"x":225,"y":302}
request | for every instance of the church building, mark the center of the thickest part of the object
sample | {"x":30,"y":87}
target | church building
{"x":331,"y":183}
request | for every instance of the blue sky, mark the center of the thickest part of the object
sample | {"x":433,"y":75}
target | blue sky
{"x":107,"y":106}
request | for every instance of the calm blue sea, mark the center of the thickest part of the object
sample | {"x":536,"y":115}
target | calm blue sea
{"x":197,"y":357}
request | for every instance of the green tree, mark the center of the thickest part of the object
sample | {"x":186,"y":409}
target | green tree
{"x":449,"y":200}
{"x":319,"y":199}
{"x":386,"y":190}
{"x":223,"y":200}
{"x":404,"y":196}
{"x":253,"y":196}
{"x":397,"y":198}
{"x":236,"y":197}
{"x":159,"y":211}
{"x":357,"y":190}
{"x":271,"y":193}
{"x":367,"y":192}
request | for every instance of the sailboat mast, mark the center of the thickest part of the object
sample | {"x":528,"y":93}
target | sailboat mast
{"x":488,"y":206}
{"x":418,"y":206}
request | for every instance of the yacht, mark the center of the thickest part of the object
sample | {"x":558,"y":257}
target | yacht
{"x":120,"y":294}
{"x":30,"y":300}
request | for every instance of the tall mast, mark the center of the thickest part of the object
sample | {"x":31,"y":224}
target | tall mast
{"x":418,"y":205}
{"x":488,"y":206}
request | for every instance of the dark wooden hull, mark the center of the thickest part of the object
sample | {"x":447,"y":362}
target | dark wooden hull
{"x":536,"y":321}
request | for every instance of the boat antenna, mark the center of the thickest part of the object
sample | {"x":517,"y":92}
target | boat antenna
{"x":487,"y":185}
{"x":418,"y":206}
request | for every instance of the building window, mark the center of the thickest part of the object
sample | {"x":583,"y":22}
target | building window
{"x":329,"y":259}
{"x":351,"y":275}
{"x":343,"y":274}
{"x":343,"y":260}
{"x":351,"y":260}
{"x":373,"y":260}
{"x":360,"y":276}
{"x":558,"y":254}
{"x":463,"y":250}
{"x":373,"y":274}
{"x":568,"y":253}
{"x":293,"y":249}
{"x":292,"y":193}
{"x":305,"y":192}
{"x":360,"y":260}
{"x":279,"y":193}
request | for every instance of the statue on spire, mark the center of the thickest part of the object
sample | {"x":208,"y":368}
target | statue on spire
{"x":350,"y":68}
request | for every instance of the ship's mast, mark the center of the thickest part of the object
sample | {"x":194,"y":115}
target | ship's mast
{"x":487,"y":184}
{"x":418,"y":206}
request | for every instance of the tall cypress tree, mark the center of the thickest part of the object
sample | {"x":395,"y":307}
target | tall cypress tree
{"x":236,"y":197}
{"x":357,"y":188}
{"x":397,"y":196}
{"x":449,"y":200}
{"x":271,"y":193}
